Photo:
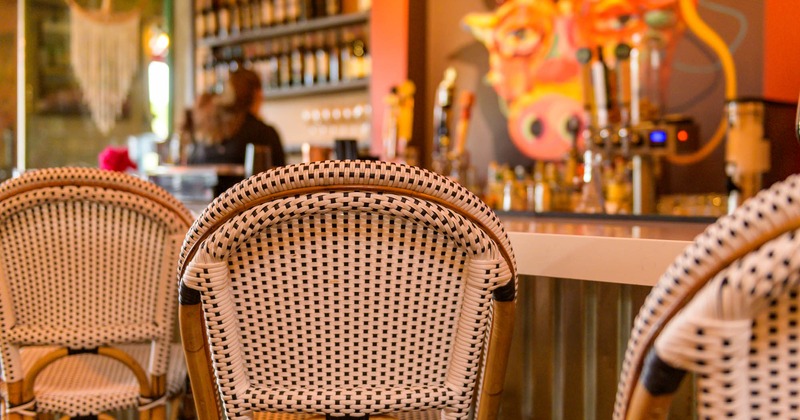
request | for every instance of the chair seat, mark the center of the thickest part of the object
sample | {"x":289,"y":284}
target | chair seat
{"x":416,"y":415}
{"x":88,"y":384}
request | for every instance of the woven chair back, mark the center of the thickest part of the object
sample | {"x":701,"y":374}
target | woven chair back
{"x":88,"y":259}
{"x":727,"y":310}
{"x":347,"y":290}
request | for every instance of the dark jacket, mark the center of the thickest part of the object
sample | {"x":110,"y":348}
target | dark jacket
{"x":232,"y":150}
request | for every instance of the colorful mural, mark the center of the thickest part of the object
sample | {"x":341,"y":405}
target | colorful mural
{"x":533,"y":66}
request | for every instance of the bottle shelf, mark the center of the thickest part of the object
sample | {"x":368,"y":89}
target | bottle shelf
{"x":297,"y":91}
{"x":299,"y":27}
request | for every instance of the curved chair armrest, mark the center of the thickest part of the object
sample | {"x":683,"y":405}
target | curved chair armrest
{"x":655,"y":390}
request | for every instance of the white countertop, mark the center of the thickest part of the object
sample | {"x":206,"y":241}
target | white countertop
{"x":627,"y":252}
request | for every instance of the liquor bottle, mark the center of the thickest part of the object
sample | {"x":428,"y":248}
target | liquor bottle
{"x":279,"y":12}
{"x":390,"y":117}
{"x":198,"y":11}
{"x":199,"y":6}
{"x":209,"y":74}
{"x":235,"y":16}
{"x":309,"y":60}
{"x":250,"y":55}
{"x":255,"y":14}
{"x":333,"y":7}
{"x":334,"y":65}
{"x":360,"y":61}
{"x":221,"y":71}
{"x":307,"y":9}
{"x":245,"y":22}
{"x":236,"y":58}
{"x":200,"y":81}
{"x":267,"y":13}
{"x":211,"y":26}
{"x":346,"y":55}
{"x":323,"y":58}
{"x":273,"y":65}
{"x":261,"y":64}
{"x":319,"y":8}
{"x":285,"y":63}
{"x":296,"y":58}
{"x":292,"y":10}
{"x":223,"y":19}
{"x":442,"y":116}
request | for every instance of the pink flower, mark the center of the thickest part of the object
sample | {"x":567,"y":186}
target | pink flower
{"x":115,"y":159}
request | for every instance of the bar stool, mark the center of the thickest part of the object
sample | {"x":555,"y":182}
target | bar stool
{"x":726,"y":310}
{"x":347,"y":288}
{"x":87,"y":294}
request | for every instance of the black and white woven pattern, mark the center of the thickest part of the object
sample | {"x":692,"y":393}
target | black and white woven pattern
{"x":88,"y":259}
{"x":739,"y":332}
{"x":356,"y":301}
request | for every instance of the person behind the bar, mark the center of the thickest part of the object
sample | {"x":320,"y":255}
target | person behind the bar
{"x":234,"y":113}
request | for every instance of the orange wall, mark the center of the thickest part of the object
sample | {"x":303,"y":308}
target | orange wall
{"x":389,"y":45}
{"x":8,"y":67}
{"x":782,"y":50}
{"x":8,"y":15}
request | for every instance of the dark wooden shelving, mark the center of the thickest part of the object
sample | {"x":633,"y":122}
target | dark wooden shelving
{"x":287,"y":29}
{"x":296,"y":91}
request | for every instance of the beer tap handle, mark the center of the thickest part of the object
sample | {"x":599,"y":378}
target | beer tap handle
{"x":599,"y":75}
{"x":584,"y":56}
{"x":466,"y":100}
{"x":623,"y":54}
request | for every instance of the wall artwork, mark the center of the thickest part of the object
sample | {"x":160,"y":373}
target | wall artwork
{"x":533,"y":66}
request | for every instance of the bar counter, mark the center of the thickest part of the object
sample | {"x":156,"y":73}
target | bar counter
{"x":623,"y":250}
{"x":582,"y":281}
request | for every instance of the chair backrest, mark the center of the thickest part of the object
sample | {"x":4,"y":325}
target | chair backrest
{"x":88,"y":259}
{"x":346,"y":287}
{"x":727,"y":310}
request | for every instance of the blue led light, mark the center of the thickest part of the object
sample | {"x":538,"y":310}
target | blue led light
{"x":658,"y":136}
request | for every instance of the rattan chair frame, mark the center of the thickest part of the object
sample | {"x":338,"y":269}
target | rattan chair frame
{"x":634,"y":399}
{"x":152,"y":388}
{"x":194,"y":332}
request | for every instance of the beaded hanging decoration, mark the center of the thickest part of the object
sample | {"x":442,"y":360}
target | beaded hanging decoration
{"x":104,"y":52}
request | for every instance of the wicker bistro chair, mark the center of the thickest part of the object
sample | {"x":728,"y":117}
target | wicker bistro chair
{"x":727,"y":310}
{"x":87,"y":263}
{"x":347,"y":289}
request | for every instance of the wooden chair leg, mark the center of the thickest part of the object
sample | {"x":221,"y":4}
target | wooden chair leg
{"x":197,"y":361}
{"x":16,"y":396}
{"x":187,"y":410}
{"x":502,"y":329}
{"x":159,"y":388}
{"x":175,"y":407}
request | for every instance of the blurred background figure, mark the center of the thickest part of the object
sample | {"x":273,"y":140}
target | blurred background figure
{"x":227,"y":123}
